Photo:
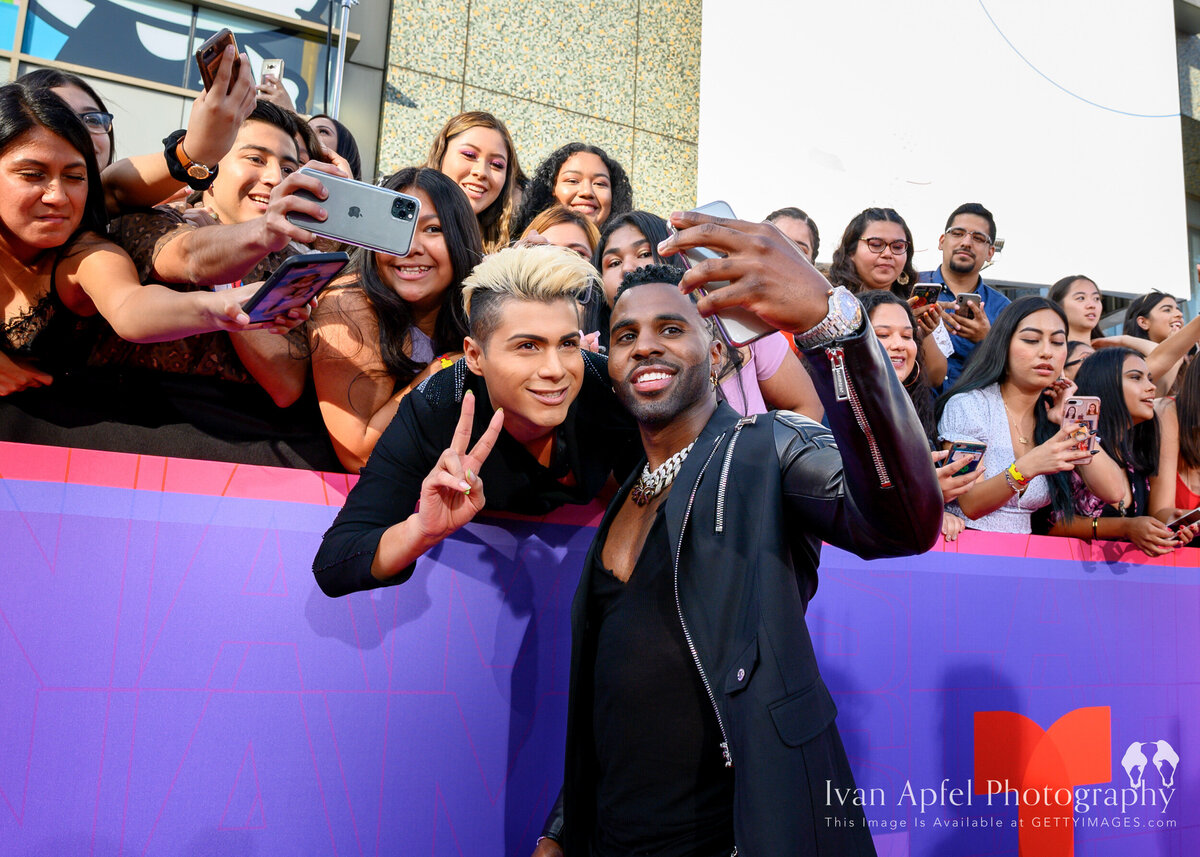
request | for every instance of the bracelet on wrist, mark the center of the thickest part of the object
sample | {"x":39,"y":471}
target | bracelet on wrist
{"x":1095,"y":530}
{"x":1017,"y":475}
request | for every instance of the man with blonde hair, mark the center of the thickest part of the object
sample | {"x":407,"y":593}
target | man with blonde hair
{"x":526,"y":412}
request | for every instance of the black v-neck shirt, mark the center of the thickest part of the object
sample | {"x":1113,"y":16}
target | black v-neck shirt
{"x":662,"y":787}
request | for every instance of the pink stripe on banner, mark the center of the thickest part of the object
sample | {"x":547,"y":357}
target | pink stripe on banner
{"x":1058,"y":548}
{"x":30,"y":463}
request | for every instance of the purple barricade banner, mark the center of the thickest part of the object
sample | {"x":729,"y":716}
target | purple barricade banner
{"x":174,"y":683}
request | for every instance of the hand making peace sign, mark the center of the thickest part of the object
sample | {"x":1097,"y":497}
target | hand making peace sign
{"x":452,"y":493}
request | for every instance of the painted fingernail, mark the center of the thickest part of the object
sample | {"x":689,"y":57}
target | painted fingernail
{"x":470,"y":476}
{"x":464,"y":487}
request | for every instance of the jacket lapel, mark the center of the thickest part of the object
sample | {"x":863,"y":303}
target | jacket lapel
{"x":723,"y":418}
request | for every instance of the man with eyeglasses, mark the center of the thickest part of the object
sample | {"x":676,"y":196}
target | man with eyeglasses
{"x":967,"y":245}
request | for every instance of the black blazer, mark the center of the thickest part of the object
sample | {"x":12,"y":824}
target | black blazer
{"x":746,"y":518}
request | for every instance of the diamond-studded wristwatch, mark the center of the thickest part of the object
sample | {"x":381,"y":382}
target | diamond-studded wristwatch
{"x":845,"y":317}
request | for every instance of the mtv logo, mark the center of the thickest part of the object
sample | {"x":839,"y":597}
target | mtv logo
{"x":355,"y":211}
{"x":1165,"y":759}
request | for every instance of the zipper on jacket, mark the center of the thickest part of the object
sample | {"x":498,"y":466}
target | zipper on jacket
{"x":687,"y":634}
{"x":720,"y":528}
{"x":843,"y":387}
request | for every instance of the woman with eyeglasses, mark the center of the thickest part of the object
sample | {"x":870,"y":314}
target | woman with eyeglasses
{"x":188,"y":157}
{"x":1077,"y":352}
{"x":394,"y":320}
{"x":876,"y":253}
{"x":60,"y":268}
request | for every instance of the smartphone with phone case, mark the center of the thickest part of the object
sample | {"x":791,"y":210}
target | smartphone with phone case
{"x":296,"y":282}
{"x":209,"y":56}
{"x":1187,"y":519}
{"x":1081,"y":419}
{"x":362,"y":214}
{"x":273,"y":67}
{"x":925,"y":294}
{"x":738,"y":326}
{"x":969,"y":303}
{"x":969,"y":453}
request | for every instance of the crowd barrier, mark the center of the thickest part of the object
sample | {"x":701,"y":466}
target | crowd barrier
{"x":174,"y":683}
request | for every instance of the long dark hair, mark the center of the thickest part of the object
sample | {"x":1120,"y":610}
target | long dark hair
{"x":539,"y":192}
{"x":917,"y":382}
{"x":654,"y":229}
{"x":842,"y":271}
{"x":988,"y":364}
{"x":23,"y":108}
{"x":1132,"y":446}
{"x":346,"y":146}
{"x":465,"y":245}
{"x":1058,"y":294}
{"x":1187,"y":406}
{"x":1141,"y":307}
{"x":52,"y":78}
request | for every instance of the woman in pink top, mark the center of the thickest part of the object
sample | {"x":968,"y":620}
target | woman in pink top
{"x":765,"y":375}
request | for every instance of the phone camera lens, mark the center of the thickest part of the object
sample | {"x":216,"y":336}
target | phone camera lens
{"x":403,"y":209}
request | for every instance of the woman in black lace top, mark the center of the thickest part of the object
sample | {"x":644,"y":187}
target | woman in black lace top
{"x":55,"y":265}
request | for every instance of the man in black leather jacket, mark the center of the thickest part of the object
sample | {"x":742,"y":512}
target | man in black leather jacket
{"x":698,"y":723}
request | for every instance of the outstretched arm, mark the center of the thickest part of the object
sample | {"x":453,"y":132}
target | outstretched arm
{"x":224,"y":253}
{"x":876,"y":468}
{"x":98,"y":276}
{"x":888,"y":499}
{"x":217,"y":114}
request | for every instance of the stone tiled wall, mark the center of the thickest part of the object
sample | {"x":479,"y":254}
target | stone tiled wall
{"x":620,"y":74}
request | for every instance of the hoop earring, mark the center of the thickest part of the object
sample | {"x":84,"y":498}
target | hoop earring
{"x":903,"y":278}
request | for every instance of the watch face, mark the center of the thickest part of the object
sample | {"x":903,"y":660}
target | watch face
{"x":199,"y":171}
{"x":847,"y":305}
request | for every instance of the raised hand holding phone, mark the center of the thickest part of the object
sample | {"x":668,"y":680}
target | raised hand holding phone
{"x":766,"y":274}
{"x":452,"y":493}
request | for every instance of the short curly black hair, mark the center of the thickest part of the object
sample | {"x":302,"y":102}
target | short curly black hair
{"x":668,"y":274}
{"x":539,"y":192}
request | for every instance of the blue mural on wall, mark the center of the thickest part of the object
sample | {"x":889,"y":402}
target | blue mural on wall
{"x":155,"y":40}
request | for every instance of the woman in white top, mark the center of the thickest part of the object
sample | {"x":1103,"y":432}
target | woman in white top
{"x":1010,"y":397}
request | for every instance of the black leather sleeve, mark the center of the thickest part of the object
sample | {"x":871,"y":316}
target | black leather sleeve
{"x":867,"y":484}
{"x":553,"y":828}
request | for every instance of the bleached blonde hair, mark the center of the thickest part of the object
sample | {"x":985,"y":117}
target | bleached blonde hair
{"x":542,"y":273}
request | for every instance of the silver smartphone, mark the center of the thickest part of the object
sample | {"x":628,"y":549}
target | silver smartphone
{"x":362,"y":214}
{"x":738,"y":326}
{"x":273,"y":67}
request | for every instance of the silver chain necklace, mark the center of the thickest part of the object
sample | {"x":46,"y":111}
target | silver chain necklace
{"x":650,"y":485}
